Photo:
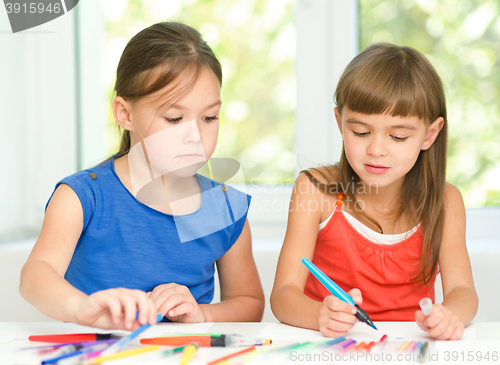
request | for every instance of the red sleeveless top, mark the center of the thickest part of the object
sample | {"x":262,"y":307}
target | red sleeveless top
{"x":383,"y":273}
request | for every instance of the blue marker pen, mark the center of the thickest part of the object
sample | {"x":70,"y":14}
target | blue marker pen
{"x":337,"y":291}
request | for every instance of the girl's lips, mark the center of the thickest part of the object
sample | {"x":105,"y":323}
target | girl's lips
{"x":376,"y":169}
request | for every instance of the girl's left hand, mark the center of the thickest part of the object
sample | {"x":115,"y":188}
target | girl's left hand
{"x":176,"y":302}
{"x":442,"y":324}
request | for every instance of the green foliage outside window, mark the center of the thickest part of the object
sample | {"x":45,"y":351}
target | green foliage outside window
{"x":462,"y":40}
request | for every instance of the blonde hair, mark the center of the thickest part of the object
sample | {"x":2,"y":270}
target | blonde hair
{"x":399,"y":81}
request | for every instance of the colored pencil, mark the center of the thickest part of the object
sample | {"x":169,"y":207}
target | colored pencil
{"x":122,"y":342}
{"x":369,"y":346}
{"x":403,"y":347}
{"x":120,"y":355}
{"x":248,"y":349}
{"x":423,"y":351}
{"x":74,"y":337}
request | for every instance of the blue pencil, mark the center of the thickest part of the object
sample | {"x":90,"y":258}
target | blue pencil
{"x":122,"y":342}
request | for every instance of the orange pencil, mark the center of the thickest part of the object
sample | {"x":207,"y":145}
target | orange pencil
{"x":369,"y":346}
{"x":248,"y":349}
{"x":204,"y":340}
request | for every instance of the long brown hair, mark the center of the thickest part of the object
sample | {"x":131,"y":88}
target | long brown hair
{"x":399,"y":81}
{"x":155,"y":57}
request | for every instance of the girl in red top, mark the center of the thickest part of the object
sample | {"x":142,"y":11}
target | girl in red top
{"x":383,"y":220}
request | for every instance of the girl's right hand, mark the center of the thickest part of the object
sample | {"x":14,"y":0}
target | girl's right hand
{"x":116,"y":309}
{"x":336,"y":317}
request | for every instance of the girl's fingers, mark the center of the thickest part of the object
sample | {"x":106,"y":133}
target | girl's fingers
{"x":344,"y":318}
{"x":337,"y":305}
{"x":183,"y":308}
{"x":453,"y":326}
{"x":129,"y":306}
{"x":355,"y":294}
{"x":160,"y":296}
{"x":457,"y":335}
{"x":101,"y":302}
{"x":329,"y":333}
{"x":337,"y":326}
{"x":331,"y":326}
{"x":115,"y":309}
{"x":420,"y":318}
{"x":436,"y":317}
{"x":172,"y":302}
{"x":161,"y":289}
{"x":152,"y":313}
{"x":440,"y":329}
{"x":446,"y":335}
{"x":144,"y":306}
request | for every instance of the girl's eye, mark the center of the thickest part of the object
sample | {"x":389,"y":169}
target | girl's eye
{"x":209,"y":119}
{"x":173,"y":120}
{"x":360,"y":134}
{"x":399,"y":139}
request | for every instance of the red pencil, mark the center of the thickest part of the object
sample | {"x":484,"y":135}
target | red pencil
{"x":74,"y":337}
{"x":248,"y":349}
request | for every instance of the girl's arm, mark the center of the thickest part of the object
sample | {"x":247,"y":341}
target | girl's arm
{"x":460,"y":303}
{"x":289,"y":303}
{"x":242,"y":298}
{"x":42,"y":277}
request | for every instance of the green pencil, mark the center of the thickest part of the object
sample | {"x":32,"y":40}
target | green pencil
{"x":175,"y":350}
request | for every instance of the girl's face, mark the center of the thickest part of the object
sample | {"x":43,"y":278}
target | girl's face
{"x":381,"y":148}
{"x":179,"y":137}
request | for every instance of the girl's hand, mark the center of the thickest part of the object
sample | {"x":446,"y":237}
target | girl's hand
{"x":176,"y":302}
{"x":116,"y":309}
{"x":336,"y":317}
{"x":442,"y":324}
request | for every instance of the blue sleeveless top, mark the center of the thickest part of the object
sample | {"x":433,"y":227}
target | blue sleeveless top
{"x":125,"y":243}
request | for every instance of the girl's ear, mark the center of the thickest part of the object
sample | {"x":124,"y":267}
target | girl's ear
{"x":121,"y":112}
{"x":432,"y":133}
{"x":338,"y":118}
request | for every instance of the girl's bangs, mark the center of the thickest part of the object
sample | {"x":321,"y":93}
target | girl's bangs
{"x":178,"y":77}
{"x":394,"y":95}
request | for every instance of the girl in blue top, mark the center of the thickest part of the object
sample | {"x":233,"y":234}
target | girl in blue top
{"x":141,"y":231}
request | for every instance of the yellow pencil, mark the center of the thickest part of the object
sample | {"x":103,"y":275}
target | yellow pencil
{"x":119,"y":355}
{"x":189,"y":352}
{"x":404,"y":346}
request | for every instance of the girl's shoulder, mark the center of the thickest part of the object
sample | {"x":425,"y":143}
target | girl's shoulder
{"x":327,"y":174}
{"x":91,"y":178}
{"x":323,"y":179}
{"x":451,"y":191}
{"x":213,"y":189}
{"x":452,"y":197}
{"x":92,"y":174}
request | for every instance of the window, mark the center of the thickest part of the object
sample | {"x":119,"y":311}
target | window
{"x":302,"y":47}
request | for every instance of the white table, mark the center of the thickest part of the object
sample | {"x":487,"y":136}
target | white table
{"x":478,"y":340}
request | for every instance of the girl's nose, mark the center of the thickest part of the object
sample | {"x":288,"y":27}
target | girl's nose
{"x":377,"y":148}
{"x":192,"y":133}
